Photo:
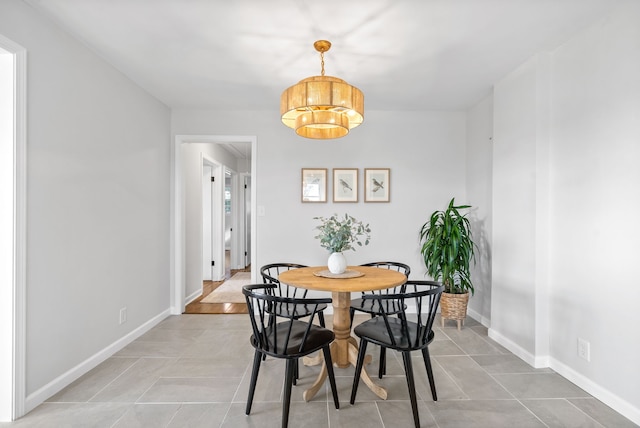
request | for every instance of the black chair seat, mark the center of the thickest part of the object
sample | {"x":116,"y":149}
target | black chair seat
{"x":396,"y":336}
{"x":301,"y":311}
{"x":288,"y":343}
{"x":368,"y":306}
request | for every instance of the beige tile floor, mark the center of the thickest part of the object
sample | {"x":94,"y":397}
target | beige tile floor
{"x":193,"y":371}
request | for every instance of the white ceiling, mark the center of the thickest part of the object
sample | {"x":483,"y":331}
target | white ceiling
{"x":241,"y":54}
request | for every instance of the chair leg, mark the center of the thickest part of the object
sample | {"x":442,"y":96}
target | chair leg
{"x":352,"y":314}
{"x":288,"y":382}
{"x":406,"y":357}
{"x":359,"y":363}
{"x":321,"y":318}
{"x":332,"y":379}
{"x":254,"y":377}
{"x":296,"y":373}
{"x":427,"y":364}
{"x":382,"y":368}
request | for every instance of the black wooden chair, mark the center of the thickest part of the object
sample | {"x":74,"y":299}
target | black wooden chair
{"x":270,"y":275}
{"x":392,"y":306}
{"x":285,"y":336}
{"x":402,"y":334}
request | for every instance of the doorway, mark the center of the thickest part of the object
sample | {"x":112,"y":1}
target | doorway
{"x":186,"y":284}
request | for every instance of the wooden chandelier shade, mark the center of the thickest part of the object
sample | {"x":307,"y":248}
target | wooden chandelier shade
{"x":322,"y":107}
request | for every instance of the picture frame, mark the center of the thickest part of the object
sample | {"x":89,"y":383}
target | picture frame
{"x":345,"y":184}
{"x":314,"y":185}
{"x":377,"y":184}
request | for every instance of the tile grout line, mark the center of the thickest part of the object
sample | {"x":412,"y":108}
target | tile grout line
{"x":583,"y":412}
{"x":114,"y":379}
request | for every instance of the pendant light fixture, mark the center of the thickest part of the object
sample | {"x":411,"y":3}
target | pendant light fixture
{"x":322,"y":107}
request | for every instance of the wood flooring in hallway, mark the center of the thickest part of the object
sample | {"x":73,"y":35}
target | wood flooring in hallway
{"x":196,"y":307}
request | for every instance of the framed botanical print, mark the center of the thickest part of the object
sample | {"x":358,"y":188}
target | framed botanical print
{"x":314,"y":185}
{"x":377,"y":184}
{"x":345,"y":184}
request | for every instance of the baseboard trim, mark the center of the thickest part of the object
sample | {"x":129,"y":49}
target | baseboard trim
{"x":607,"y":397}
{"x":534,"y":361}
{"x":193,"y":296}
{"x":38,"y":397}
{"x":481,"y":319}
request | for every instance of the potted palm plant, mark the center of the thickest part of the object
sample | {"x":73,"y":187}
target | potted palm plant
{"x":447,"y":250}
{"x":338,"y":234}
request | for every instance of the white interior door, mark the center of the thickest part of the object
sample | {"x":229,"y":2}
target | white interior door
{"x":230,"y":229}
{"x":213,"y":264}
{"x":237,"y":199}
{"x":247,"y":219}
{"x":207,"y":223}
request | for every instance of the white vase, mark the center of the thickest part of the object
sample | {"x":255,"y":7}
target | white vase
{"x":337,"y":263}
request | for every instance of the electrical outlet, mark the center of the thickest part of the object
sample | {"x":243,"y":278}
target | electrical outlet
{"x":584,"y":349}
{"x":123,"y":315}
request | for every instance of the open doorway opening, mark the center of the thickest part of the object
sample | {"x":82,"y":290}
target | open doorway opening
{"x":235,"y":155}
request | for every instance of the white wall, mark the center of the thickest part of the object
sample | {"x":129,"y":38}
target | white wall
{"x":565,"y":178}
{"x":98,"y":202}
{"x":478,"y":184}
{"x":519,"y":189}
{"x":411,"y":144}
{"x":595,"y":201}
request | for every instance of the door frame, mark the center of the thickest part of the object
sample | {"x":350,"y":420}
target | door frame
{"x":13,"y":339}
{"x":177,"y":220}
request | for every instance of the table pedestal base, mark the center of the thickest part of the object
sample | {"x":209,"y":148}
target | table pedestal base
{"x":352,"y":351}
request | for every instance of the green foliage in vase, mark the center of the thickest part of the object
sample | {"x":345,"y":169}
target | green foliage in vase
{"x":448,"y":248}
{"x":337,"y":234}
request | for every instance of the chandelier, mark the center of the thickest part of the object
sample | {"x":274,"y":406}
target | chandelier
{"x":322,"y":107}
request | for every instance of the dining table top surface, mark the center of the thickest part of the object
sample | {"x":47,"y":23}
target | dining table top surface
{"x":369,"y":278}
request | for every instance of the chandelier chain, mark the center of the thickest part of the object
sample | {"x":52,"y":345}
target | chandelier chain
{"x":322,"y":63}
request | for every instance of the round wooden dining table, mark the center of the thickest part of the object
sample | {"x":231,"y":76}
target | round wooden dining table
{"x":344,"y":349}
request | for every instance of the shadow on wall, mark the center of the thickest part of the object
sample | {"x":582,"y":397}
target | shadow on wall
{"x":481,"y":271}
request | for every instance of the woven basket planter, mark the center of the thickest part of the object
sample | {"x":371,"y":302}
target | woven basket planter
{"x":454,"y":307}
